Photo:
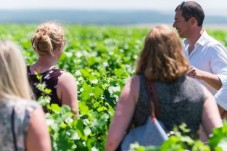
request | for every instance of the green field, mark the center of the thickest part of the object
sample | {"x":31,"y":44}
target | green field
{"x":101,"y":59}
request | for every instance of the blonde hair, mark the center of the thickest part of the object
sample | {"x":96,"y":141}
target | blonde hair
{"x":48,"y":37}
{"x":162,"y":57}
{"x":13,"y":79}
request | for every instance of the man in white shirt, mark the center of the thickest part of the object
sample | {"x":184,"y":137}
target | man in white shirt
{"x":208,"y":58}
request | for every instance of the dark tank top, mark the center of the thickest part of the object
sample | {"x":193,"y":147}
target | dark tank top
{"x":180,"y":102}
{"x":50,"y":78}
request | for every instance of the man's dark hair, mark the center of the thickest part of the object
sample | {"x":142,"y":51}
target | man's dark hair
{"x":191,"y":9}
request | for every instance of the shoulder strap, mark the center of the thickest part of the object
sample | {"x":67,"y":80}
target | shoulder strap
{"x":28,"y":70}
{"x":154,"y":103}
{"x":13,"y":130}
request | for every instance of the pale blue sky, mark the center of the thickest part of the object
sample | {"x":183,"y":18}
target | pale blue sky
{"x":211,"y":7}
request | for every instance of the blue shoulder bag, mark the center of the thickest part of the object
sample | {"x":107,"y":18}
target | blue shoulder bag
{"x":151,"y":133}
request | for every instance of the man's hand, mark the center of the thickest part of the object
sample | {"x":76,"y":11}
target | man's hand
{"x":195,"y":73}
{"x":210,"y":78}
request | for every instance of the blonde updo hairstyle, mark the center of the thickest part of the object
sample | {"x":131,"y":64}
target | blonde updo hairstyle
{"x":48,"y":38}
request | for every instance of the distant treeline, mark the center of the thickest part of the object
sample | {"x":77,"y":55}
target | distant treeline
{"x":95,"y":17}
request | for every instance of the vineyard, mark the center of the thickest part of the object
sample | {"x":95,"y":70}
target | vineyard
{"x":101,"y":59}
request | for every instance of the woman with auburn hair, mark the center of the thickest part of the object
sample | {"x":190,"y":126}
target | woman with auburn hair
{"x":48,"y":42}
{"x":181,"y":99}
{"x":18,"y":114}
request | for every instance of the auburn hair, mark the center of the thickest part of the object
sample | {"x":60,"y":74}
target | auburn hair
{"x":162,"y":57}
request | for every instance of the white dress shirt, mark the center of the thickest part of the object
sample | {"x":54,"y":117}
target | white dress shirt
{"x":211,"y":56}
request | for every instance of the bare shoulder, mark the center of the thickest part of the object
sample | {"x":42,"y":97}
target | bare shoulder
{"x":38,"y":138}
{"x":66,"y":78}
{"x":135,"y":79}
{"x":67,"y":89}
{"x":131,"y":89}
{"x":133,"y":83}
{"x":37,"y":114}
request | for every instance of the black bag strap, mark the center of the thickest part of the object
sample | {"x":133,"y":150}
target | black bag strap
{"x":155,"y":108}
{"x":13,"y":129}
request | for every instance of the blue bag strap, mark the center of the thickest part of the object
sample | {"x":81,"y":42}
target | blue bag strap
{"x":13,"y":129}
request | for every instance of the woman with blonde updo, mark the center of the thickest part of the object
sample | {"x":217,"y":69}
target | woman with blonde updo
{"x":48,"y":42}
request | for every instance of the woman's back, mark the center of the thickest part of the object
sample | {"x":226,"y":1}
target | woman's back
{"x":49,"y":42}
{"x":181,"y":99}
{"x":50,"y":78}
{"x":21,"y":117}
{"x":180,"y":102}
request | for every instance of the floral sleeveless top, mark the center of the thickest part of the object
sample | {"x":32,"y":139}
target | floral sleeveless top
{"x":50,"y":78}
{"x":22,"y":112}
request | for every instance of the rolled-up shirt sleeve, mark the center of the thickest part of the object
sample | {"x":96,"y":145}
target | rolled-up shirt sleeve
{"x":221,"y":95}
{"x":219,"y":67}
{"x":211,"y":56}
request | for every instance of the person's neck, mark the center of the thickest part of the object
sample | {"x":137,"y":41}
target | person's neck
{"x":194,"y":37}
{"x":43,"y":64}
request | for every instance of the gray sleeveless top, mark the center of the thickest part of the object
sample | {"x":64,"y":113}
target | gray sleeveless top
{"x":23,"y":110}
{"x":180,"y":102}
